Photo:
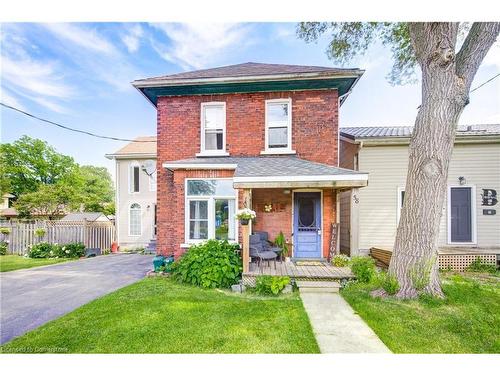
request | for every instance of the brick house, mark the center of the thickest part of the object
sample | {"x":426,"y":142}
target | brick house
{"x":263,"y":136}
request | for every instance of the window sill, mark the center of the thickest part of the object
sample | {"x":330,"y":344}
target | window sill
{"x":278,"y":152}
{"x":208,"y":154}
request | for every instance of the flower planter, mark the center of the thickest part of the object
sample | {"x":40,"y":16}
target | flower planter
{"x":244,"y":221}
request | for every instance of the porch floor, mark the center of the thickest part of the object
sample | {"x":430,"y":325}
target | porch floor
{"x":322,"y":271}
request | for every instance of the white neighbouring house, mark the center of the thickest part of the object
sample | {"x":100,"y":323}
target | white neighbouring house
{"x":470,"y":218}
{"x":135,"y":183}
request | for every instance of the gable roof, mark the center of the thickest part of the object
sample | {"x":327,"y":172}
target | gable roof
{"x":143,"y":147}
{"x":248,"y":69}
{"x":382,"y":132}
{"x":249,"y":77}
{"x":81,"y":216}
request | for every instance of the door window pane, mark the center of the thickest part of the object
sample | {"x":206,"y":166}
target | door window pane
{"x":224,"y":219}
{"x":306,"y":213}
{"x":135,"y":220}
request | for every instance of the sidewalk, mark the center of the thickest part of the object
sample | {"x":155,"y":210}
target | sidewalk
{"x":338,"y":329}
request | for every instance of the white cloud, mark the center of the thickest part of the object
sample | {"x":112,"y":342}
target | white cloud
{"x":133,"y":38}
{"x":198,"y":45}
{"x":39,"y":78}
{"x":9,"y":99}
{"x":81,"y":36}
{"x":493,"y":56}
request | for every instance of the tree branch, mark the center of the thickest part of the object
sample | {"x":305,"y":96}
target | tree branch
{"x":478,"y":42}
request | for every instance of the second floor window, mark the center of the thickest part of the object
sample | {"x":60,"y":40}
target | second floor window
{"x":213,"y":128}
{"x":278,"y":125}
{"x":134,"y":176}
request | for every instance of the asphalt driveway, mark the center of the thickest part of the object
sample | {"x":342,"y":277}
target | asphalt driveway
{"x":32,"y":297}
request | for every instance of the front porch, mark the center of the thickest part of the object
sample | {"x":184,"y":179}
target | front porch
{"x":298,"y":271}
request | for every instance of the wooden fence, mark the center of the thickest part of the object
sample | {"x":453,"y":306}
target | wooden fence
{"x":91,"y":234}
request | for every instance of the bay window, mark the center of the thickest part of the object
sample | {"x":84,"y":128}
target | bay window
{"x":210,"y":210}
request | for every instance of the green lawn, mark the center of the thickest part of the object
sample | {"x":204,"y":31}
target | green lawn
{"x":466,"y":321}
{"x":157,"y":315}
{"x":16,"y":262}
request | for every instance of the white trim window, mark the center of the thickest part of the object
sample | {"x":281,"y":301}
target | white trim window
{"x":152,"y":181}
{"x":213,"y":128}
{"x":135,"y":222}
{"x":210,"y":210}
{"x":134,"y":177}
{"x":278,"y":131}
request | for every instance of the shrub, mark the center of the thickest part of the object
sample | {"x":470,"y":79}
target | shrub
{"x":280,"y":241}
{"x":40,"y":232}
{"x":340,"y":260}
{"x":5,"y":231}
{"x":44,"y":250}
{"x":389,"y":283}
{"x":478,"y":266}
{"x":212,"y":264}
{"x":271,"y":285}
{"x":3,"y":248}
{"x":72,"y":250}
{"x":363,"y":268}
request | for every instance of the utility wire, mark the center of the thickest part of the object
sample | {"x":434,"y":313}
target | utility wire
{"x":72,"y":129}
{"x":484,"y":83}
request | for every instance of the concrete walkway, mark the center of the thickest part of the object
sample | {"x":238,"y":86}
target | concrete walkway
{"x":32,"y":297}
{"x":338,"y":329}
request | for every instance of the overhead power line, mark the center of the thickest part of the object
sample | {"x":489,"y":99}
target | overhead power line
{"x":484,"y":83}
{"x":72,"y":129}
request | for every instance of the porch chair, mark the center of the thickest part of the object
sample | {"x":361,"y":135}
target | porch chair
{"x":257,"y":251}
{"x":268,"y":245}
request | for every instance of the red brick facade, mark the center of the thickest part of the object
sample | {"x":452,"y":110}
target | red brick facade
{"x":314,"y":137}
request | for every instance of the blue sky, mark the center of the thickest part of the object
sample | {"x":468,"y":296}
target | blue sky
{"x":79,"y":75}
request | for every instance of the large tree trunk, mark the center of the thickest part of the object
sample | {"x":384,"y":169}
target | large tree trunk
{"x":446,"y":79}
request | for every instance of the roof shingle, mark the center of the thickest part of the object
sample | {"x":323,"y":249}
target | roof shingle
{"x":144,"y":145}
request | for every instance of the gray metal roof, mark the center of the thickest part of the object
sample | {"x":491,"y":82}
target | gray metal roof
{"x":248,"y":69}
{"x":363,"y":132}
{"x":262,"y":166}
{"x":81,"y":216}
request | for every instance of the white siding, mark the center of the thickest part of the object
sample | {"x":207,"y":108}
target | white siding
{"x":145,"y":198}
{"x":387,"y":168}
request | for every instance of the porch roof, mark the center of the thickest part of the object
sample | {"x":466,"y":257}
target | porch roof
{"x":276,"y":172}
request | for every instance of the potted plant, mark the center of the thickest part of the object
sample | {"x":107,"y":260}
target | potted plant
{"x":245,"y":215}
{"x":280,"y":242}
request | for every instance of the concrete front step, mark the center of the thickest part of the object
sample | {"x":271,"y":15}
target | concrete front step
{"x":318,"y":286}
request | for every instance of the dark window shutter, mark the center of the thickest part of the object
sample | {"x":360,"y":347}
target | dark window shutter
{"x":136,"y":179}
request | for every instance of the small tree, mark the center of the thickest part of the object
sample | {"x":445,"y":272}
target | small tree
{"x":447,"y":75}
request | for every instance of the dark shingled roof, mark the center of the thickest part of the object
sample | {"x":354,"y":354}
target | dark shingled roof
{"x":247,"y":70}
{"x":370,"y":132}
{"x":262,"y":166}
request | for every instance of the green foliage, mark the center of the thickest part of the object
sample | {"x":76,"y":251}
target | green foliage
{"x":73,"y":250}
{"x":5,"y":231}
{"x":47,"y":250}
{"x":363,"y":268}
{"x":271,"y":285}
{"x":352,"y":39}
{"x":4,"y":246}
{"x":389,"y":283}
{"x":44,"y":250}
{"x":420,"y":274}
{"x":212,"y":264}
{"x":40,"y":232}
{"x":478,"y":266}
{"x":340,"y":260}
{"x":280,"y":242}
{"x":28,"y":163}
{"x":49,"y":183}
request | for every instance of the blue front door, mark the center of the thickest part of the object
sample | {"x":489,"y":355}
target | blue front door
{"x":307,"y":225}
